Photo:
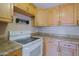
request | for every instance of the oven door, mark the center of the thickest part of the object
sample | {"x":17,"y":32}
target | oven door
{"x":33,"y":50}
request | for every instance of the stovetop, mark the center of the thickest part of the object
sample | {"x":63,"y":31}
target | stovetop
{"x":26,"y":40}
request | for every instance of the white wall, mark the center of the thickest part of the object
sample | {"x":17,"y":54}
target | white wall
{"x":72,"y":30}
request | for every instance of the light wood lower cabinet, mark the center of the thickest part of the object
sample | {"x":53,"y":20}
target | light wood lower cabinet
{"x":17,"y":52}
{"x":57,"y":47}
{"x":68,"y":48}
{"x":51,"y":47}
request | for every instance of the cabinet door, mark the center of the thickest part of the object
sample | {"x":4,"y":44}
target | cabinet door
{"x":77,"y":12}
{"x":41,"y":17}
{"x":55,"y":15}
{"x":31,"y":9}
{"x":50,"y":16}
{"x":26,"y":7}
{"x":68,"y":48}
{"x":21,"y":6}
{"x":15,"y":53}
{"x":51,"y":47}
{"x":34,"y":10}
{"x":6,"y":10}
{"x":67,"y":14}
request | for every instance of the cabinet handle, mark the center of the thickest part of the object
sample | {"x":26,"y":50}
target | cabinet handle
{"x":67,"y":45}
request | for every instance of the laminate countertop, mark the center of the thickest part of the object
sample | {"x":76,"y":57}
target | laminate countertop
{"x":72,"y":38}
{"x":7,"y":46}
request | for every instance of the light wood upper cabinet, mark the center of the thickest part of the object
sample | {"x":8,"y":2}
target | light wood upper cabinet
{"x":27,"y":8}
{"x":67,"y":14}
{"x":77,"y":7}
{"x":6,"y":12}
{"x":31,"y":8}
{"x":50,"y":22}
{"x":77,"y":13}
{"x":47,"y":17}
{"x":54,"y":16}
{"x":21,"y":6}
{"x":41,"y":17}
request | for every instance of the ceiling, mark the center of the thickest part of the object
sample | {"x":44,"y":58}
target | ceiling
{"x":46,"y":5}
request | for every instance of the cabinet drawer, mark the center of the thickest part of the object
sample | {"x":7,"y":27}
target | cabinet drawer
{"x":55,"y":41}
{"x":67,"y":44}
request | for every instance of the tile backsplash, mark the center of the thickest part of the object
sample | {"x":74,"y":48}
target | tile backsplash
{"x":70,"y":30}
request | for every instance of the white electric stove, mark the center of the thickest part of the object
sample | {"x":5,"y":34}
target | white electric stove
{"x":32,"y":46}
